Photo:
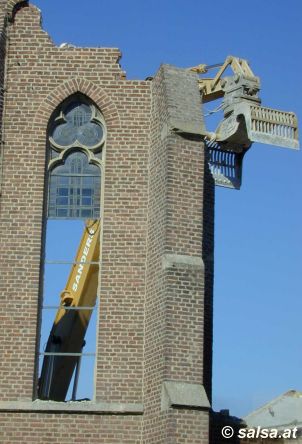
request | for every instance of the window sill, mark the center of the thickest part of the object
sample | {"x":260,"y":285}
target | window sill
{"x":72,"y":406}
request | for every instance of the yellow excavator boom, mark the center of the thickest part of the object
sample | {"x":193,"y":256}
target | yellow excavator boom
{"x":212,"y":88}
{"x":66,"y":338}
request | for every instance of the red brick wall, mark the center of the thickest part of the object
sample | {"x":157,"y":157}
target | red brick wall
{"x":3,"y":44}
{"x":56,"y":428}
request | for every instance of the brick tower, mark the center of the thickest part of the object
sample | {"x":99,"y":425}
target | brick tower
{"x":152,"y":373}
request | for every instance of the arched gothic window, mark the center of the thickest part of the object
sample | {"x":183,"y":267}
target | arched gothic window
{"x":76,"y":138}
{"x":77,"y":134}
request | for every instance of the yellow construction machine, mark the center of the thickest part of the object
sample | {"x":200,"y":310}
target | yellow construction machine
{"x":245,"y":120}
{"x":62,"y":356}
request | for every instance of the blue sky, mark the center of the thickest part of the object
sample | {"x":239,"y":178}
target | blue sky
{"x":257,"y":323}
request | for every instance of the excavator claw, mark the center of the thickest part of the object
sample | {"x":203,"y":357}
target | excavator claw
{"x":245,"y":120}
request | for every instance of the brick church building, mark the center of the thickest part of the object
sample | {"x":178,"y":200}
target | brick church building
{"x":81,"y":142}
